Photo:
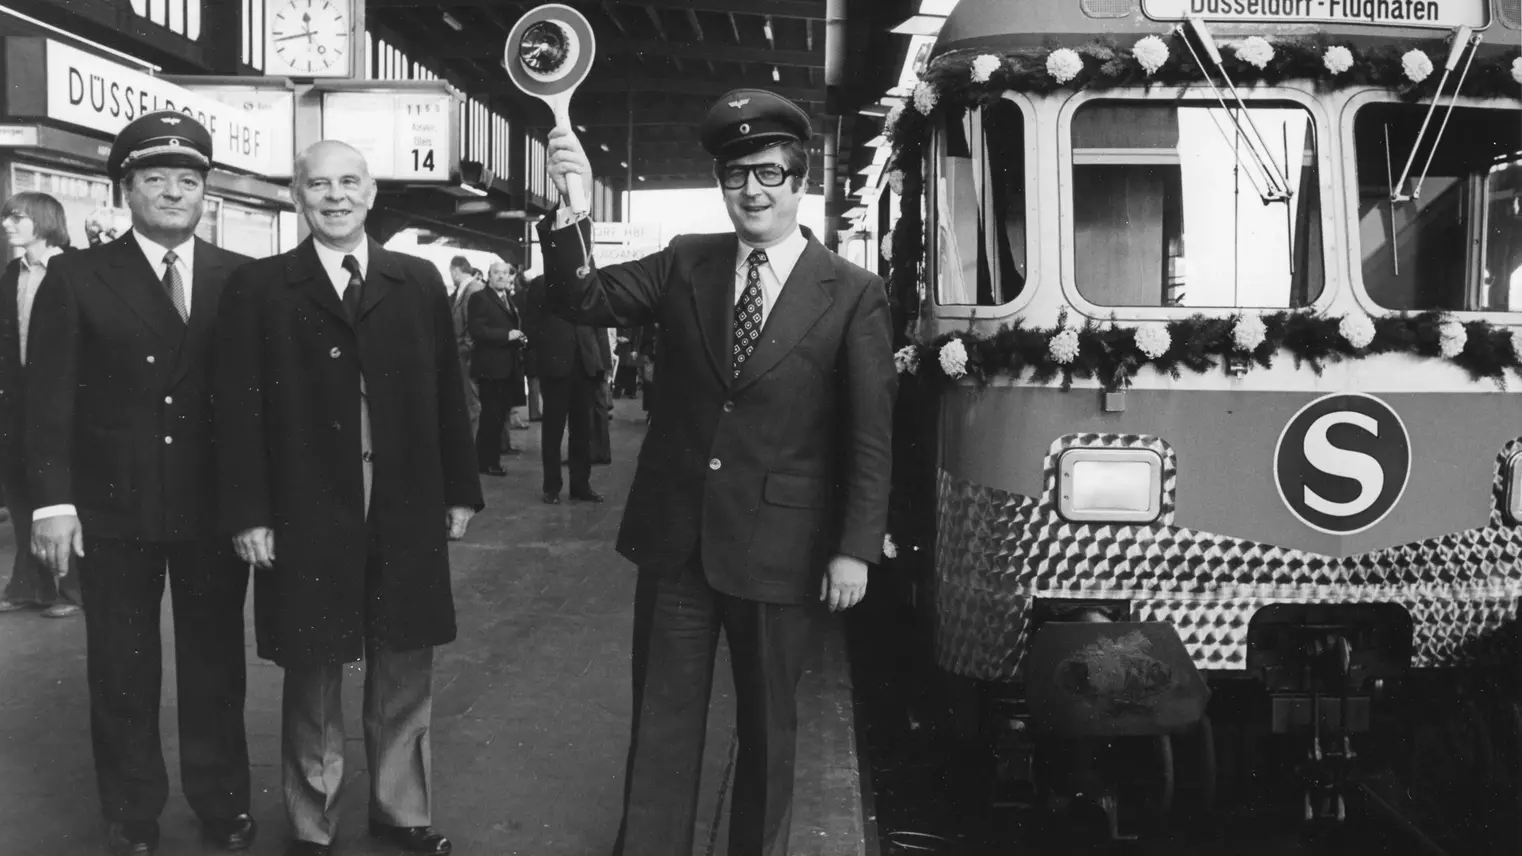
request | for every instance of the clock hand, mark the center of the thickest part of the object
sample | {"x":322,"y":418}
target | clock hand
{"x":305,"y":35}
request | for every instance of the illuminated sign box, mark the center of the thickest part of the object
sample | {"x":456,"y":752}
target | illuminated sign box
{"x":1448,"y":14}
{"x":404,"y":135}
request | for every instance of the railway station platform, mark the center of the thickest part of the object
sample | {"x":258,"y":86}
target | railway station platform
{"x":531,"y":703}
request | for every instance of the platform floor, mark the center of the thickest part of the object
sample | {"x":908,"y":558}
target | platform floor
{"x":531,"y":704}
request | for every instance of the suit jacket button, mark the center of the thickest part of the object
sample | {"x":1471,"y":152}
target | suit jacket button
{"x":168,"y":399}
{"x":714,"y":464}
{"x":729,"y":407}
{"x":150,"y":358}
{"x":334,"y":353}
{"x":168,"y":441}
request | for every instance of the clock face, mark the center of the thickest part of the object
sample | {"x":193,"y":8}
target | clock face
{"x":308,"y":38}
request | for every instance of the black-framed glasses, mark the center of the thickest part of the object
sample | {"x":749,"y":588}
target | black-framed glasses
{"x":734,"y":176}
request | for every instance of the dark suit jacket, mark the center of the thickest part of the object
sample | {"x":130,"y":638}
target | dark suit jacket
{"x":12,"y":389}
{"x":118,"y":402}
{"x":770,"y":475}
{"x":491,"y":320}
{"x":288,"y":442}
{"x":558,"y":345}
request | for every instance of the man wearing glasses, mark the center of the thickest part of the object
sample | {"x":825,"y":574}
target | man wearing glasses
{"x":761,"y":494}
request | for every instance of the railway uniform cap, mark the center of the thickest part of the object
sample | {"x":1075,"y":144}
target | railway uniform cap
{"x":164,"y":138}
{"x":748,"y":120}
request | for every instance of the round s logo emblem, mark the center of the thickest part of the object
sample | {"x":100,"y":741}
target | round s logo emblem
{"x":1342,"y":462}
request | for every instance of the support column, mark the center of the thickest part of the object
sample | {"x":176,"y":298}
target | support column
{"x":834,"y":72}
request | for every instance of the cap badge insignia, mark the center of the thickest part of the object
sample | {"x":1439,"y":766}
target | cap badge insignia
{"x":171,"y":120}
{"x":173,"y":141}
{"x":738,"y":103}
{"x":744,"y":129}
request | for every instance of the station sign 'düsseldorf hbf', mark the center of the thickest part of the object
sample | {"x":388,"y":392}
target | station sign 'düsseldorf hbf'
{"x":1447,"y":14}
{"x":1342,"y":462}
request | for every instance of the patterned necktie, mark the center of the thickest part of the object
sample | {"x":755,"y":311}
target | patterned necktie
{"x":748,"y":311}
{"x":352,"y":290}
{"x":174,"y":285}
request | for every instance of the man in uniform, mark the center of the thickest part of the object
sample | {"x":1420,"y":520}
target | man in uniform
{"x":345,"y":464}
{"x":122,"y":472}
{"x":761,"y":493}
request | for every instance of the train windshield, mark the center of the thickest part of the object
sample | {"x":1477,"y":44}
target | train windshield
{"x":1193,"y":205}
{"x":980,"y":199}
{"x":1456,"y":243}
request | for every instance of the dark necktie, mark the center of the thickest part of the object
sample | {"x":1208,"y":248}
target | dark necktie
{"x":352,"y":290}
{"x":748,"y":311}
{"x":174,"y":285}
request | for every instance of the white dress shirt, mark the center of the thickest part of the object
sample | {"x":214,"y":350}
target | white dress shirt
{"x":333,"y":262}
{"x":781,"y":258}
{"x":184,"y":262}
{"x":26,"y":291}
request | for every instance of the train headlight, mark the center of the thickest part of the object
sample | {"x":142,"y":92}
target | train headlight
{"x":1514,"y":488}
{"x":1112,"y":485}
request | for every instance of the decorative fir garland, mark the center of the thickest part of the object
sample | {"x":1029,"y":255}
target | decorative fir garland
{"x":1111,"y":353}
{"x":1114,"y":354}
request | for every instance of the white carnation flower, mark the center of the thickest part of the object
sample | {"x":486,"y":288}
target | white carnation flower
{"x":890,"y":124}
{"x":1151,"y":52}
{"x":1255,"y":51}
{"x":885,"y":247}
{"x":983,"y":68}
{"x":1063,"y":64}
{"x":1516,"y":69}
{"x":925,"y":97}
{"x":1064,"y":346}
{"x":1337,"y":59}
{"x":1358,"y":329}
{"x":1451,"y":339}
{"x":1416,"y":65}
{"x":907,"y":360}
{"x":1153,"y":340}
{"x":953,"y":358}
{"x":896,"y":181}
{"x":1516,"y":345}
{"x":1249,"y":332}
{"x":890,"y":549}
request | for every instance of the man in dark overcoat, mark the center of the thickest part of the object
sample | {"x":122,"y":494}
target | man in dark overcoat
{"x":344,"y":452}
{"x":761,"y":492}
{"x":571,"y":359}
{"x":123,"y":480}
{"x":496,"y":363}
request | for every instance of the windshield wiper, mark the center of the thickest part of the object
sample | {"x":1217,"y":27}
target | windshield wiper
{"x":1278,"y":189}
{"x":1462,"y":39}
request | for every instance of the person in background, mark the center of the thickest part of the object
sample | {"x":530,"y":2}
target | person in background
{"x":104,"y":225}
{"x":761,"y":495}
{"x":626,"y":375}
{"x":602,"y":409}
{"x":36,"y":228}
{"x":122,"y":472}
{"x":344,"y":454}
{"x":515,"y":421}
{"x":571,"y":359}
{"x":467,"y":281}
{"x":496,"y":363}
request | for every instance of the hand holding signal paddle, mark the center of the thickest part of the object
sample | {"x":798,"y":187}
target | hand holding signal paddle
{"x":548,"y":54}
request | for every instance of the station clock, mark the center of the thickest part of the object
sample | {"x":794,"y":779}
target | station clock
{"x":309,"y":38}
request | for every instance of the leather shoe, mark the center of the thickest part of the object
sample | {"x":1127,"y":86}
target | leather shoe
{"x":132,"y":839}
{"x":308,"y":848}
{"x":233,"y":833}
{"x":551,"y":499}
{"x":586,"y":496}
{"x":413,"y":839}
{"x":493,"y":471}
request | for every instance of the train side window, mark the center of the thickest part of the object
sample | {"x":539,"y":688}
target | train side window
{"x":980,"y":206}
{"x":1169,"y":205}
{"x":1457,"y":246}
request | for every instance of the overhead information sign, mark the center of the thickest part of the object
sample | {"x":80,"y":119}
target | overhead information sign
{"x":277,"y":106}
{"x":1395,"y":13}
{"x":405,"y":136}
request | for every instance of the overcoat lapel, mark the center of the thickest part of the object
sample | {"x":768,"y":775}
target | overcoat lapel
{"x":805,"y":297}
{"x":385,"y":271}
{"x":131,"y":278}
{"x":304,"y":271}
{"x":713,"y":287}
{"x":209,"y":274}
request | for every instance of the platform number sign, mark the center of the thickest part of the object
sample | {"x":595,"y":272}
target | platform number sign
{"x":1342,"y":462}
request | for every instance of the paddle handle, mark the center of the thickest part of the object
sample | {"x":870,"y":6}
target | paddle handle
{"x":561,"y":105}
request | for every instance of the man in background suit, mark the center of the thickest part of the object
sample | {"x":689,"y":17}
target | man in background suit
{"x":122,"y":473}
{"x":761,"y":493}
{"x":35,"y":225}
{"x":344,"y":453}
{"x":467,"y":281}
{"x":571,"y":360}
{"x":496,"y":364}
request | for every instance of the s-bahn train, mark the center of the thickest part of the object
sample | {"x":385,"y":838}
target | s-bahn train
{"x":1212,"y":440}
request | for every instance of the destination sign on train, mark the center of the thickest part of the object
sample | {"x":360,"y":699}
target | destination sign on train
{"x":1394,"y":13}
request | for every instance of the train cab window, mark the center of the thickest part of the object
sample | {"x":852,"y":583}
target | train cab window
{"x":980,"y":239}
{"x":1191,"y":204}
{"x":1457,"y":244}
